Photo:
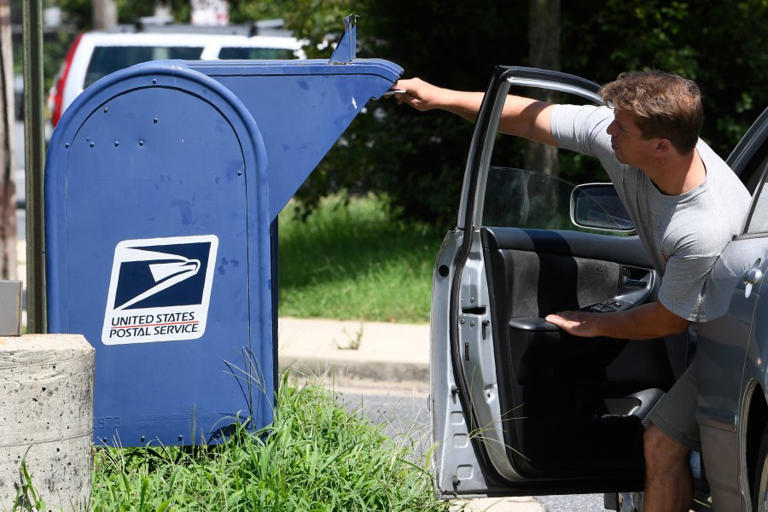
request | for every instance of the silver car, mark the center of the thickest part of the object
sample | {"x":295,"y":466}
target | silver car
{"x":521,"y":408}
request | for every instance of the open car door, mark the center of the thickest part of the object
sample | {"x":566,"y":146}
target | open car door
{"x":518,"y":406}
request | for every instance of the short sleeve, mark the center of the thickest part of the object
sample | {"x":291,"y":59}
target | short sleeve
{"x":682,"y":287}
{"x":582,"y":128}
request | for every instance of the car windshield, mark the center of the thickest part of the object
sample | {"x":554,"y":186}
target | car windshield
{"x":108,"y":59}
{"x":244,"y":52}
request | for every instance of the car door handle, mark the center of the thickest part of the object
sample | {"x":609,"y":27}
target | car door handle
{"x":752,"y":276}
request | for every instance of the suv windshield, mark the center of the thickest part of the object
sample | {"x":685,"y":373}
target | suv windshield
{"x":244,"y":52}
{"x":107,"y":59}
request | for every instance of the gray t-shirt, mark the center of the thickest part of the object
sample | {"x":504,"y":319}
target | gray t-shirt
{"x":683,"y":234}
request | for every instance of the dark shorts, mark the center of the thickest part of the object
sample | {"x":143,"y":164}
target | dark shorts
{"x":675,"y":412}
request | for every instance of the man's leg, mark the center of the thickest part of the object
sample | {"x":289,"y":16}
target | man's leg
{"x":671,"y":433}
{"x":668,"y":482}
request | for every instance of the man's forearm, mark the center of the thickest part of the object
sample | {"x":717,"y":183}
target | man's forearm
{"x":463,"y":103}
{"x":641,"y":323}
{"x":524,"y":117}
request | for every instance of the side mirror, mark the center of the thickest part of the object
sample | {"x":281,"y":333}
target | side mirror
{"x":597,"y":206}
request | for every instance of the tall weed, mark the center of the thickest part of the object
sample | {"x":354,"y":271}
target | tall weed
{"x":316,"y":456}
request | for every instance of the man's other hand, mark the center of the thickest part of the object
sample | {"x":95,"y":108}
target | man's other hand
{"x":577,"y":323}
{"x":648,"y":321}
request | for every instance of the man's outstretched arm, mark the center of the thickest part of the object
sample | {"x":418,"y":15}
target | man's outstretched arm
{"x":524,"y":117}
{"x":644,"y":322}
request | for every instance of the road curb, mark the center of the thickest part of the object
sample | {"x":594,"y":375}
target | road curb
{"x":388,"y":353}
{"x":351,"y":370}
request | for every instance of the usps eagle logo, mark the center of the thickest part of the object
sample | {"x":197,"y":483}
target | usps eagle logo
{"x":160,"y":289}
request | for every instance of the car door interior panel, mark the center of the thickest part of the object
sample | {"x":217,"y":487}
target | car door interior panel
{"x":573,"y":405}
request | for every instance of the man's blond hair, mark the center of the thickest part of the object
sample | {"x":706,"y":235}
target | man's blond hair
{"x":666,"y":105}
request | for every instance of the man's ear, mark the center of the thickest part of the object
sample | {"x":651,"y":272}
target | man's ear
{"x":663,"y":146}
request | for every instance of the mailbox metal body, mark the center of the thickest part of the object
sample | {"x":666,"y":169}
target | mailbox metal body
{"x":162,"y":183}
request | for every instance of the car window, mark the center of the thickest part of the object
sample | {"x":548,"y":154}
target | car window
{"x":108,"y":59}
{"x":758,"y":217}
{"x":244,"y":52}
{"x":526,"y":199}
{"x":529,"y":185}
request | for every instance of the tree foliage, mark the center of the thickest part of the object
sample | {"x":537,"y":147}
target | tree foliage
{"x":719,"y":44}
{"x":417,"y":159}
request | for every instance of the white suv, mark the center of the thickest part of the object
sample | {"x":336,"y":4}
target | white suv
{"x":96,"y":54}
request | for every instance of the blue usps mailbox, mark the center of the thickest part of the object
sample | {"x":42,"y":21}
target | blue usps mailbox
{"x":162,"y":182}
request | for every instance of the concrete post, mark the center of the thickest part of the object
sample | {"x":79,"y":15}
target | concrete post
{"x":46,"y":415}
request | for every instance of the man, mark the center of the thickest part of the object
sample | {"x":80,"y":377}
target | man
{"x":685,"y":202}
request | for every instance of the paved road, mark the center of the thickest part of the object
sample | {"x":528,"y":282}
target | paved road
{"x":570,"y":503}
{"x":405,"y":418}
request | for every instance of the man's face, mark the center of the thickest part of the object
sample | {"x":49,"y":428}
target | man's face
{"x":627,"y":140}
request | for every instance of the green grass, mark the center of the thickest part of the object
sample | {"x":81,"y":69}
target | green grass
{"x":317,"y":456}
{"x":354,"y":262}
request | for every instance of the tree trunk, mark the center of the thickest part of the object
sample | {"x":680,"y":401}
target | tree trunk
{"x":8,"y":254}
{"x":104,"y":14}
{"x":543,"y":52}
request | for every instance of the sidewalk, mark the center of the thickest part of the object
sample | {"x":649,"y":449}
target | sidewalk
{"x":352,"y":352}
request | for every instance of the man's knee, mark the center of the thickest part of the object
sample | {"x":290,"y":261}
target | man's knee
{"x":662,"y":451}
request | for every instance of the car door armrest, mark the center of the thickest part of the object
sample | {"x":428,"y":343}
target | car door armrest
{"x":646,"y":398}
{"x":531,"y":323}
